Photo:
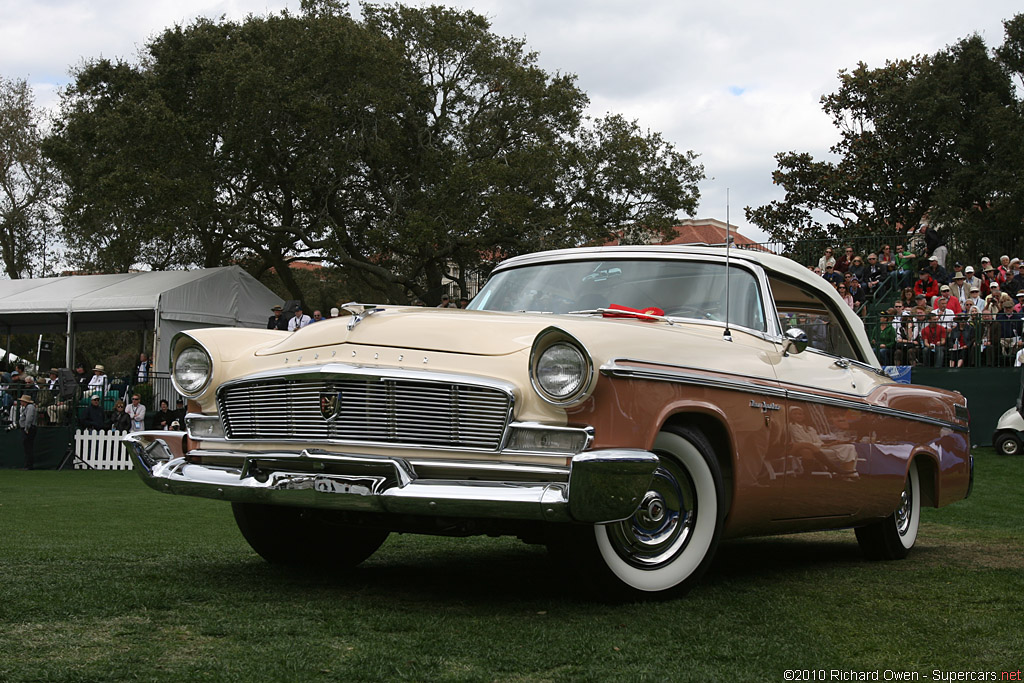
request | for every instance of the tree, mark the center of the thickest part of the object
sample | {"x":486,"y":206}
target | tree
{"x":26,"y":184}
{"x":406,"y":147}
{"x":937,"y":136}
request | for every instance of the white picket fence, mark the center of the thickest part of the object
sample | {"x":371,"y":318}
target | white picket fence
{"x":101,"y":450}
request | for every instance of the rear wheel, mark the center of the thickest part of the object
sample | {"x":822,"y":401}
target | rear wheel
{"x":1008,"y":444}
{"x":301,"y":536}
{"x":893,"y":537}
{"x":672,"y":537}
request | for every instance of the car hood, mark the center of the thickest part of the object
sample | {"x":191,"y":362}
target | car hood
{"x":428,"y":329}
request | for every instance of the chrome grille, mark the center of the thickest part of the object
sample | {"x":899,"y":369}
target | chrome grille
{"x":372,"y":410}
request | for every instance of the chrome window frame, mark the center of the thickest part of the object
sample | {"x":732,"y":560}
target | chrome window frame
{"x":772,"y":331}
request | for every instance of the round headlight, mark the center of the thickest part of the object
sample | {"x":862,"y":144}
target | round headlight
{"x":192,"y":370}
{"x":561,"y":370}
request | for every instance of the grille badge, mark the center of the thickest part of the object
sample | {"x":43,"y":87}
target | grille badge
{"x":330,"y":404}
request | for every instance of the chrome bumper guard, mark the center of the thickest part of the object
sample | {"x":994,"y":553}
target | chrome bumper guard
{"x":602,"y":485}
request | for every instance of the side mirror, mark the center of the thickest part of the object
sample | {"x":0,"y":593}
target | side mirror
{"x":796,"y":341}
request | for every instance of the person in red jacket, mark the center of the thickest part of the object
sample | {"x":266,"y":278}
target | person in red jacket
{"x":927,"y":285}
{"x":933,"y":340}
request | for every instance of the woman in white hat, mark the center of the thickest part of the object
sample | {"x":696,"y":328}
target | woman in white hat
{"x":98,"y":382}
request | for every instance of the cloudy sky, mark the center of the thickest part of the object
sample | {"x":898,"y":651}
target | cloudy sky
{"x":735,"y":81}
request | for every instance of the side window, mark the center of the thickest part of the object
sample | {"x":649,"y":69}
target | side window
{"x":803,"y":308}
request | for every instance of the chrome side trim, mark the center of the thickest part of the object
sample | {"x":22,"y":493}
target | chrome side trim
{"x":686,"y":375}
{"x":732,"y":382}
{"x":869,"y":408}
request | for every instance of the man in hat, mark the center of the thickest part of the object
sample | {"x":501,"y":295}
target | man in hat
{"x":92,"y":416}
{"x":27,"y":424}
{"x":299,"y":320}
{"x":951,"y":300}
{"x":1019,"y":306}
{"x":831,"y":275}
{"x":970,"y":280}
{"x":937,"y":272}
{"x":178,"y":419}
{"x":959,"y":288}
{"x":277,"y":321}
{"x":974,"y":299}
{"x":82,"y":377}
{"x":988,"y":277}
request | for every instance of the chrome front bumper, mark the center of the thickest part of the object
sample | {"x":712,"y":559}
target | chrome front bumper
{"x":597,"y":486}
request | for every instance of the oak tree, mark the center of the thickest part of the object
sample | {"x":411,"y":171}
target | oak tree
{"x":406,"y":146}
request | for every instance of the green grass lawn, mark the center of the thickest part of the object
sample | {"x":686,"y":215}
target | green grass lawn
{"x":103,"y":579}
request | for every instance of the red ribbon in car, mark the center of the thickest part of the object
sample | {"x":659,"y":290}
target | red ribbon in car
{"x":637,"y":313}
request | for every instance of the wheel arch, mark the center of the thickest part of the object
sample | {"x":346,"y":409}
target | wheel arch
{"x":928,"y":476}
{"x":717,"y":434}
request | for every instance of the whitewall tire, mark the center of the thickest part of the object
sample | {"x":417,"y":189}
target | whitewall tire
{"x":671,"y":539}
{"x":893,"y":537}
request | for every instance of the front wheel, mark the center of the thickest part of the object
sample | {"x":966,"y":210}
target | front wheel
{"x":301,"y":536}
{"x":1008,"y":444}
{"x":671,"y":539}
{"x":893,"y":537}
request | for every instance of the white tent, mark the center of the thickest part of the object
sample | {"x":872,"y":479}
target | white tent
{"x":166,"y":302}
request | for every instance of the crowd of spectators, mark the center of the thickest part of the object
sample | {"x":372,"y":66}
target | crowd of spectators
{"x":928,"y":314}
{"x":90,"y":400}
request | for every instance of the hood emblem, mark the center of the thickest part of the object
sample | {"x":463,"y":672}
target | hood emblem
{"x":359,"y":311}
{"x":330,"y":404}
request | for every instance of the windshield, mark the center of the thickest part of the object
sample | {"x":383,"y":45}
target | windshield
{"x":685,"y":289}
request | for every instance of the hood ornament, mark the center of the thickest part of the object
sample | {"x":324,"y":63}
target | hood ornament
{"x":359,"y":311}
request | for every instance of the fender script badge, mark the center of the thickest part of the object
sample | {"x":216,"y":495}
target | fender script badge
{"x":330,"y":404}
{"x":764,"y":405}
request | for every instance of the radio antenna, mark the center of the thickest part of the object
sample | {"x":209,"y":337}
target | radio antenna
{"x":727,"y":336}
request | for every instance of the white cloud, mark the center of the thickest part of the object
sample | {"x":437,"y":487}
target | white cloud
{"x":735,"y":81}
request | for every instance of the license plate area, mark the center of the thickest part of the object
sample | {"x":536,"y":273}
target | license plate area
{"x":354,"y":486}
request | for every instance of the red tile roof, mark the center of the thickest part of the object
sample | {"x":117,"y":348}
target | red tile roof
{"x":702,"y":231}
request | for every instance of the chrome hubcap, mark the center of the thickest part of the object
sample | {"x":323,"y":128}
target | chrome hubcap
{"x":904,"y":511}
{"x":661,"y":527}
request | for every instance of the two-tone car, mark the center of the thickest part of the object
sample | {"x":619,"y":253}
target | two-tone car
{"x":630,"y":407}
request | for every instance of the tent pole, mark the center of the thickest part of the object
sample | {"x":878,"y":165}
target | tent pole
{"x":69,"y":342}
{"x":156,"y":333}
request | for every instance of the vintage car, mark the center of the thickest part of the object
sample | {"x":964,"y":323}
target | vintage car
{"x":627,"y":406}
